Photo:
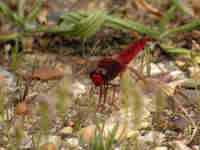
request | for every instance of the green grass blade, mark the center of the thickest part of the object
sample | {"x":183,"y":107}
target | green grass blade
{"x":55,"y":30}
{"x":99,"y":20}
{"x":34,"y":13}
{"x":165,"y":19}
{"x":176,"y":51}
{"x":108,"y":21}
{"x":178,"y":5}
{"x":111,"y":139}
{"x":90,"y":25}
{"x":7,"y":11}
{"x":118,"y":23}
{"x":8,"y":37}
{"x":83,"y":25}
{"x":14,"y":53}
{"x":10,"y":14}
{"x":181,"y":29}
{"x":21,"y":9}
{"x":70,"y":17}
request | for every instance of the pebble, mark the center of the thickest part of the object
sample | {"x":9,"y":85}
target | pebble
{"x":161,"y":148}
{"x":73,"y":142}
{"x":179,"y":145}
{"x":151,"y":137}
{"x":7,"y":80}
{"x":66,"y":131}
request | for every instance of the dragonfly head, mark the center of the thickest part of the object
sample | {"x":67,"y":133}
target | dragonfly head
{"x":97,"y":80}
{"x":97,"y":76}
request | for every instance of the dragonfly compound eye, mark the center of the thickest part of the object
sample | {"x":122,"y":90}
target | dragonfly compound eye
{"x":97,"y":80}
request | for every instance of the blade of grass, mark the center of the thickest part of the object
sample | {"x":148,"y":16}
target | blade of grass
{"x":21,"y":9}
{"x":184,"y":28}
{"x":14,"y":53}
{"x":99,"y":20}
{"x":7,"y":11}
{"x":84,"y":24}
{"x":90,"y":25}
{"x":54,"y":30}
{"x":10,"y":14}
{"x":176,"y":51}
{"x":109,"y":143}
{"x":118,"y":23}
{"x":9,"y":37}
{"x":34,"y":13}
{"x":165,"y":19}
{"x":71,"y":17}
{"x":178,"y":5}
{"x":113,"y":22}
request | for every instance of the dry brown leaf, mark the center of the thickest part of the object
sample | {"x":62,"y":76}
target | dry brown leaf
{"x":42,"y":17}
{"x":44,"y":73}
{"x":142,"y":5}
{"x":196,"y":7}
{"x":180,"y":63}
{"x":48,"y":146}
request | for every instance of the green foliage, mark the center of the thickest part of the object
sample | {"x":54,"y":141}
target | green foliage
{"x":166,"y":18}
{"x":7,"y":12}
{"x":14,"y":54}
{"x":82,"y":19}
{"x":89,"y":26}
{"x":177,"y":3}
{"x":21,"y":9}
{"x":184,"y":28}
{"x":19,"y":17}
{"x":32,"y":16}
{"x":9,"y":37}
{"x":44,"y":121}
{"x":104,"y":20}
{"x":61,"y":105}
{"x":100,"y":143}
{"x":176,"y":51}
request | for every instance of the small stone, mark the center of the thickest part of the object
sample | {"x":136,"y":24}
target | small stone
{"x":180,"y":63}
{"x":161,"y":148}
{"x":152,"y":137}
{"x":7,"y":80}
{"x":69,"y":124}
{"x":78,"y":88}
{"x":73,"y":142}
{"x":171,"y":133}
{"x":21,"y":109}
{"x":179,"y":145}
{"x":66,"y":131}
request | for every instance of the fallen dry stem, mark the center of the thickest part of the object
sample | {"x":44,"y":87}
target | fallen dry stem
{"x":141,"y":4}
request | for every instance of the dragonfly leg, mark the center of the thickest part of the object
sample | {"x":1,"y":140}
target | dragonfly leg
{"x":100,"y":94}
{"x":114,"y":90}
{"x":100,"y":106}
{"x":105,"y":92}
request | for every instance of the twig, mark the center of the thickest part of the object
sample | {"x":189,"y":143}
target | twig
{"x":148,"y":8}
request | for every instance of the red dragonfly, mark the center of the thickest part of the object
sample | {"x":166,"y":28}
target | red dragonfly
{"x":109,"y":68}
